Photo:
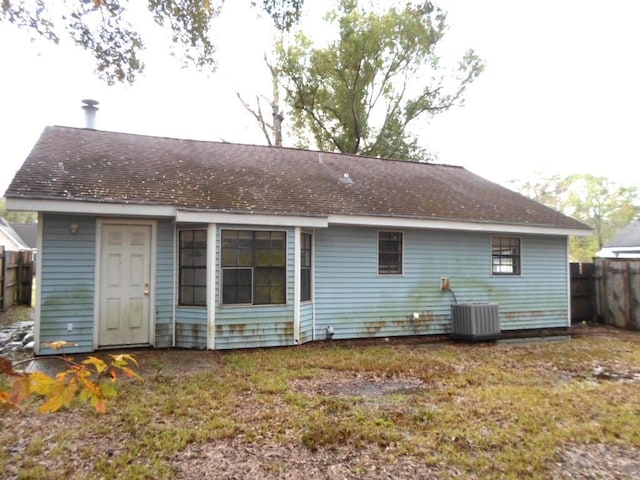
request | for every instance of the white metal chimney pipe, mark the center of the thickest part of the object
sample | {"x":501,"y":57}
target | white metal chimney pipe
{"x":90,"y":110}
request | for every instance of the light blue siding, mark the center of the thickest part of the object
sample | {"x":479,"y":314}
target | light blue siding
{"x":255,"y":325}
{"x":349,"y":295}
{"x":191,"y":327}
{"x":306,"y":322}
{"x":357,"y":302}
{"x":67,"y":281}
{"x":164,"y":284}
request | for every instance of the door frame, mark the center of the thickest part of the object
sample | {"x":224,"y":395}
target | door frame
{"x":100,"y":222}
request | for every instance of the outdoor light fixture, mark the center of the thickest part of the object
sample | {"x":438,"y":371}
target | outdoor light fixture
{"x":74,"y":228}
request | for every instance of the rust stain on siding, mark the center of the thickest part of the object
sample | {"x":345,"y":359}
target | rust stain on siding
{"x":374,"y":327}
{"x":237,"y":328}
{"x":288,"y":329}
{"x":423,"y":322}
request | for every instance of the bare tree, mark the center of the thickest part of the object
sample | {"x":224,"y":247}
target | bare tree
{"x":272,"y":130}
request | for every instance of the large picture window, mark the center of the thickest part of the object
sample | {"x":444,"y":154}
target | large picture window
{"x":253,"y":267}
{"x":505,"y":256}
{"x":389,"y":253}
{"x":193,"y":268}
{"x":305,"y":267}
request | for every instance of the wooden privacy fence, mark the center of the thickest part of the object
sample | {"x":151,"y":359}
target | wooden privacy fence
{"x":618,"y":291}
{"x":583,"y":291}
{"x":16,"y":278}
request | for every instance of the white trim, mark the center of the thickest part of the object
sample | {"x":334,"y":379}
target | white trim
{"x":102,"y":208}
{"x":400,"y":223}
{"x":211,"y":285}
{"x":251,"y":219}
{"x":174,"y":276}
{"x":297,"y":238}
{"x":619,"y":252}
{"x":90,"y":208}
{"x":313,"y":285}
{"x":36,"y":322}
{"x":153,"y":254}
{"x":568,"y":267}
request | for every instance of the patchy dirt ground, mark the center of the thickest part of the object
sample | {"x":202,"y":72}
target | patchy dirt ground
{"x":265,"y":458}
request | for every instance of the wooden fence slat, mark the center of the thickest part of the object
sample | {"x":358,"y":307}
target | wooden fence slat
{"x":618,"y":291}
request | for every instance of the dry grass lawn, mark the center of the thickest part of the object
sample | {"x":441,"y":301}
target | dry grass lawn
{"x":376,"y":410}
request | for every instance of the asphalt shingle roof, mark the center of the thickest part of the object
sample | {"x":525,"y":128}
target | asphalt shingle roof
{"x":99,"y":166}
{"x":629,"y":236}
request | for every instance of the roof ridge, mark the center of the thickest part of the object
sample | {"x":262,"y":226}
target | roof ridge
{"x":299,"y":149}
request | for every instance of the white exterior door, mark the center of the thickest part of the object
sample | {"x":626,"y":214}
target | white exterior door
{"x":125,"y":283}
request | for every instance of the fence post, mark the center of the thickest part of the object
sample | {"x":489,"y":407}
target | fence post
{"x":2,"y":277}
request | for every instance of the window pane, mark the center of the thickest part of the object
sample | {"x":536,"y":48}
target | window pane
{"x":187,"y":276}
{"x":199,"y":257}
{"x":278,"y":258}
{"x":305,"y":285}
{"x":229,"y":239}
{"x":229,"y":258}
{"x":278,"y":240}
{"x":200,"y":295}
{"x":236,"y":285}
{"x":186,"y":258}
{"x":186,"y":239}
{"x":186,"y":295}
{"x":200,"y":239}
{"x":245,"y":239}
{"x":263,"y":257}
{"x":261,"y":276}
{"x":245,"y":257}
{"x":276,"y":276}
{"x":192,"y":258}
{"x":261,"y":295}
{"x":277,"y":295}
{"x":200,"y":277}
{"x":244,"y":295}
{"x":263,"y":240}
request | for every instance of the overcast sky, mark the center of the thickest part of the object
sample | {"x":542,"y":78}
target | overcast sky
{"x":560,"y":93}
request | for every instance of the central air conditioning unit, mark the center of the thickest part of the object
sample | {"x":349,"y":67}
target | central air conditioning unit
{"x":475,"y":321}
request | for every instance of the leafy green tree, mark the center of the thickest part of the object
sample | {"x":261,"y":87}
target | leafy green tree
{"x":16,"y":217}
{"x":103,"y":28}
{"x":595,"y":200}
{"x":361,"y":92}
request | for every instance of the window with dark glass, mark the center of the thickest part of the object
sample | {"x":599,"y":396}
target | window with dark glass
{"x":192,"y":268}
{"x":305,"y":267}
{"x":505,"y":256}
{"x":389,"y":253}
{"x":253,"y":267}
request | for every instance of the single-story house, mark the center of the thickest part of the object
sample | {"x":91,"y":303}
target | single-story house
{"x":167,"y":242}
{"x":626,"y":244}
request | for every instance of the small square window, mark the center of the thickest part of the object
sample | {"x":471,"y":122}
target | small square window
{"x":505,"y":256}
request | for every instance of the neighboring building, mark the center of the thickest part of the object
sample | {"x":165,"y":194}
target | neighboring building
{"x":626,"y":244}
{"x":10,"y":239}
{"x":28,"y":232}
{"x":167,"y":242}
